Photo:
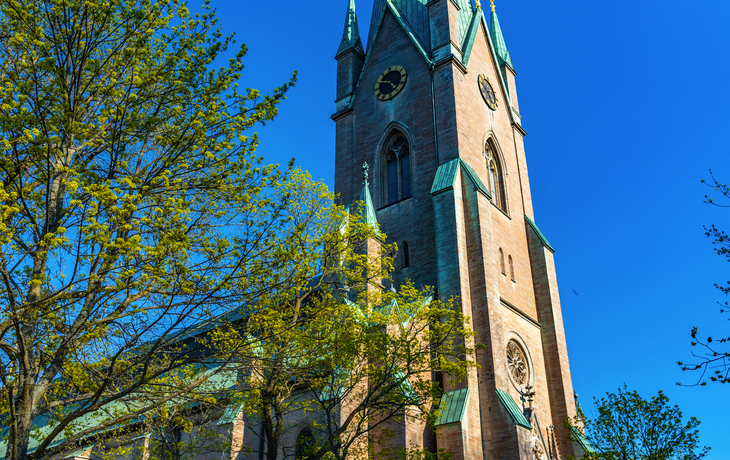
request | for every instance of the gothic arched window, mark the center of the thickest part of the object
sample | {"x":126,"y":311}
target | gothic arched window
{"x":305,"y":443}
{"x":397,"y":169}
{"x":501,"y":261}
{"x":511,"y":269}
{"x":496,"y":176}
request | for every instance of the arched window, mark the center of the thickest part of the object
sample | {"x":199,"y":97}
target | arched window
{"x":406,"y":255}
{"x":305,"y":443}
{"x":511,"y":269}
{"x":501,"y":262}
{"x":496,"y":176}
{"x":397,"y":169}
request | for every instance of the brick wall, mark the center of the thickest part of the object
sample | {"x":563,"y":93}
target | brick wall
{"x":455,"y":237}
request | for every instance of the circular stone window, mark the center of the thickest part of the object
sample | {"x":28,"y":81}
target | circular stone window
{"x":519,"y":369}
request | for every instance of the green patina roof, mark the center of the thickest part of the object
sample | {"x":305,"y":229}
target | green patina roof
{"x":43,"y":425}
{"x":366,"y":208}
{"x":231,"y":413}
{"x":446,"y":177}
{"x":453,"y":406}
{"x":500,"y":47}
{"x":581,"y":439}
{"x":406,"y":386}
{"x":351,"y":34}
{"x":513,"y":409}
{"x":539,"y":234}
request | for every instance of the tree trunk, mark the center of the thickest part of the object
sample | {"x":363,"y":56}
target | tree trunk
{"x":20,"y":432}
{"x":272,"y":439}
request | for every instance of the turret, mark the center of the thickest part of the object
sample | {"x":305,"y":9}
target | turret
{"x":372,"y":245}
{"x":366,"y":208}
{"x":350,"y":58}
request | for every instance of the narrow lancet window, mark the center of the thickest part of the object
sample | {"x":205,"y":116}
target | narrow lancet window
{"x":496,"y":177}
{"x":511,"y":269}
{"x":397,"y":169}
{"x":406,"y":255}
{"x":501,"y":262}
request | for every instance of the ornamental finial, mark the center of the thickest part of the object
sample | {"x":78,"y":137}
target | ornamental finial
{"x":492,"y":5}
{"x":479,"y":4}
{"x":365,"y":169}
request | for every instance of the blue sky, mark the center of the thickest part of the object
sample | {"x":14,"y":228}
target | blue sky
{"x":625,"y":105}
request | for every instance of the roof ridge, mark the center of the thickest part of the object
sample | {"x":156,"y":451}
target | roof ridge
{"x":539,"y":234}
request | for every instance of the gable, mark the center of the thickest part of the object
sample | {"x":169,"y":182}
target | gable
{"x":393,"y":37}
{"x":414,"y":14}
{"x":480,"y":57}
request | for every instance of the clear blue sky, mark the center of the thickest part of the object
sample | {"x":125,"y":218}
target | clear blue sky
{"x":626,"y":108}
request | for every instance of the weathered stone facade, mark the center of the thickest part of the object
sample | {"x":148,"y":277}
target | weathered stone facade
{"x":456,"y":232}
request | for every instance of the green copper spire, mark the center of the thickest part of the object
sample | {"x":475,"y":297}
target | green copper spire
{"x":500,"y":48}
{"x":366,"y":209}
{"x":351,"y":35}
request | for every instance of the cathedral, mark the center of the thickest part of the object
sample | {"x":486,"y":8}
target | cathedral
{"x":429,"y":108}
{"x":431,"y":103}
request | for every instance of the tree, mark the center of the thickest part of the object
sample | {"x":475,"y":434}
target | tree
{"x":334,"y":353}
{"x":134,"y":209}
{"x":354,"y":368}
{"x":714,"y":357}
{"x":142,"y":241}
{"x":629,"y":427}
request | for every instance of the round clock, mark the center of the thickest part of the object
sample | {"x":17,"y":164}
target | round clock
{"x":490,"y":97}
{"x":390,"y":82}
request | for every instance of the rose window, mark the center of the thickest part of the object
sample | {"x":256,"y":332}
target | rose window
{"x":517,"y":363}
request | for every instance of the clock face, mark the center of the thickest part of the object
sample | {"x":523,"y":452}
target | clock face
{"x":390,"y":82}
{"x":487,"y":92}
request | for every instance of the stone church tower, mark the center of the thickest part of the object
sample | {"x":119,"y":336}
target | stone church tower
{"x":431,"y":104}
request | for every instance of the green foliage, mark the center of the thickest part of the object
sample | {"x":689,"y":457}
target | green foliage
{"x":412,"y":453}
{"x":148,"y":257}
{"x":133,"y":209}
{"x":629,"y":427}
{"x":340,"y":354}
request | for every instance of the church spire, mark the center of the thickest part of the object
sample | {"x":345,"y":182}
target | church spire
{"x":366,"y":209}
{"x":498,"y":39}
{"x":351,"y":34}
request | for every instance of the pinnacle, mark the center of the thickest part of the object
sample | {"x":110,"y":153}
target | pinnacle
{"x":500,"y":47}
{"x":367,"y":209}
{"x":351,"y":34}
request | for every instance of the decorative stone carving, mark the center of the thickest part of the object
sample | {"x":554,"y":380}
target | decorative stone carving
{"x":537,"y":448}
{"x":519,"y":369}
